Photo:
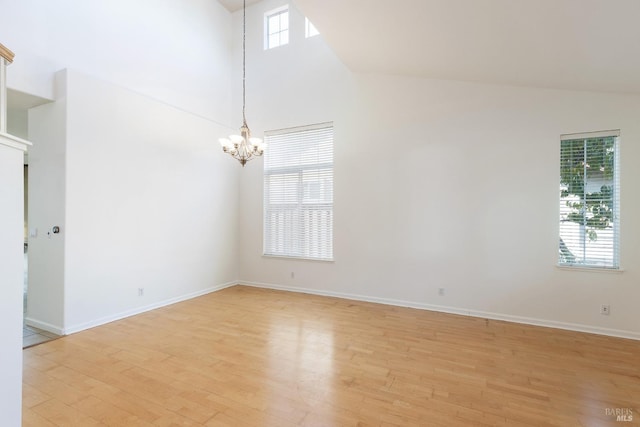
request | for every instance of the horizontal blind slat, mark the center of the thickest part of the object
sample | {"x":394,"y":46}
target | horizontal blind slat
{"x":298,"y":192}
{"x":590,"y":200}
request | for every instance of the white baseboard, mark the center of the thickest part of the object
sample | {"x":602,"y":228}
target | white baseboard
{"x":388,"y":301}
{"x":44,"y":326}
{"x":138,"y":310}
{"x":455,"y":310}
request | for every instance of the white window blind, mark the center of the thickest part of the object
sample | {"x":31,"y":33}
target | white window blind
{"x":590,"y":200}
{"x":298,"y":192}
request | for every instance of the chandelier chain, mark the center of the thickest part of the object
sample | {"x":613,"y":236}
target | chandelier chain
{"x":244,"y":60}
{"x":243,"y":147}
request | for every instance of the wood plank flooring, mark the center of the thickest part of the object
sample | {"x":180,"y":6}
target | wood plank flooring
{"x":255,"y":357}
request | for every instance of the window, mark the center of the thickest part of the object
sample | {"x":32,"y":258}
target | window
{"x":309,"y":29}
{"x":298,"y":192}
{"x":276,"y":26}
{"x":590,"y":200}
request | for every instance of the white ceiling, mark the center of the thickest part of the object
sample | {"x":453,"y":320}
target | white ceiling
{"x":233,"y":5}
{"x":17,"y":100}
{"x":567,"y":44}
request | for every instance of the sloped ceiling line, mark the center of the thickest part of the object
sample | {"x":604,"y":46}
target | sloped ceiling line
{"x":564,"y":44}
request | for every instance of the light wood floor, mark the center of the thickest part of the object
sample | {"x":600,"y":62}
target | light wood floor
{"x":254,"y":357}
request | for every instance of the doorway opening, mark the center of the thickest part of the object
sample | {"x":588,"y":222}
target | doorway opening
{"x":18,"y":106}
{"x":30,"y":335}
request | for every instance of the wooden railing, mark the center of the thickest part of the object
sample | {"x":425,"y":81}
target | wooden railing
{"x":6,"y":54}
{"x":6,"y":57}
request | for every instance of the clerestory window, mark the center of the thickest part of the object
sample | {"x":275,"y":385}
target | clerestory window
{"x":309,"y":29}
{"x":276,"y":25}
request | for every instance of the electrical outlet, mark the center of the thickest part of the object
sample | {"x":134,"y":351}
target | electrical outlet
{"x":605,"y":309}
{"x":293,"y":275}
{"x":441,"y":292}
{"x":140,"y":292}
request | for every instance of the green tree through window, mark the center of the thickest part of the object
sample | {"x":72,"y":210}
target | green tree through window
{"x":589,"y":202}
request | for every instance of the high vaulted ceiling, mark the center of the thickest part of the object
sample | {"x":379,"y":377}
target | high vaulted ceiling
{"x":233,"y":5}
{"x":566,"y":44}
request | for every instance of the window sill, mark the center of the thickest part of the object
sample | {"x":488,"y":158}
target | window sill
{"x":298,"y":258}
{"x":590,"y":269}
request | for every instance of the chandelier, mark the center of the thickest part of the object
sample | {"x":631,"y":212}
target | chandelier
{"x":243,"y":147}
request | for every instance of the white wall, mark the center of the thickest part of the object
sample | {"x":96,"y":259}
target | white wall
{"x":174,"y":51}
{"x":145,"y":110}
{"x":17,"y":123}
{"x":129,"y":170}
{"x":442,"y":184}
{"x":151,"y":203}
{"x":11,"y":271}
{"x":300,"y":83}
